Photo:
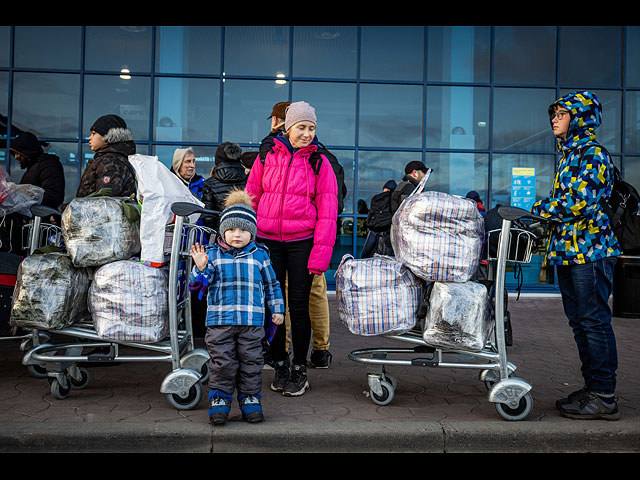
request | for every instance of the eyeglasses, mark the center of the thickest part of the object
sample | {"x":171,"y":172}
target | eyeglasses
{"x":559,"y":115}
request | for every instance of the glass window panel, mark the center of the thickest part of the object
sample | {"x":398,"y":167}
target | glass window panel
{"x":632,"y":122}
{"x":390,"y":116}
{"x":250,"y":50}
{"x":610,"y":131}
{"x":204,"y":157}
{"x":186,"y":109}
{"x":459,"y":54}
{"x":446,"y":173}
{"x":247,"y":104}
{"x":188,"y":49}
{"x":347,"y":160}
{"x":46,"y":104}
{"x":4,"y":108}
{"x":632,"y":59}
{"x":520,"y":119}
{"x":325,"y":52}
{"x":110,"y":94}
{"x":5,"y":45}
{"x":525,"y":54}
{"x":116,"y":48}
{"x":458,"y":117}
{"x":392,"y":53}
{"x":375,"y":168}
{"x":48,"y":47}
{"x":501,"y":175}
{"x":600,"y":66}
{"x":87,"y":153}
{"x":335,"y":105}
{"x":631,"y":171}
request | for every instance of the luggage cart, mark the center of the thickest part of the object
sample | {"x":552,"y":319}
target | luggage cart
{"x":64,"y":364}
{"x":510,"y":394}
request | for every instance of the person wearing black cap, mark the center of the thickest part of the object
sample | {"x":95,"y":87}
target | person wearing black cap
{"x":112,"y":143}
{"x":227,"y":174}
{"x":413,"y":173}
{"x":44,"y":170}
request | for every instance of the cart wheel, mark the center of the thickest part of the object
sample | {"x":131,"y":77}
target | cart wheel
{"x":58,"y":391}
{"x":204,"y":370}
{"x":37,"y":371}
{"x":519,"y":412}
{"x":83,"y":382}
{"x":391,"y":379}
{"x":387,"y":394}
{"x":190,"y":401}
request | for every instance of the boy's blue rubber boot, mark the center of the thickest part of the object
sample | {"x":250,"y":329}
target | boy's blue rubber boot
{"x":251,"y":407}
{"x":219,"y":407}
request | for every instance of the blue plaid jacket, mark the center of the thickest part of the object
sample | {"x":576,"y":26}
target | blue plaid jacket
{"x":239,"y":281}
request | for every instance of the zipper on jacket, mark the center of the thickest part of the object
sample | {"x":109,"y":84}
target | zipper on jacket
{"x":284,"y":191}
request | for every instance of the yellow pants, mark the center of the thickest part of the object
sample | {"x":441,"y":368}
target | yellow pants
{"x":318,"y":312}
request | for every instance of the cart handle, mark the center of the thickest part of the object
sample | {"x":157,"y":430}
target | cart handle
{"x":184,"y":209}
{"x":515,"y":213}
{"x":43,"y":211}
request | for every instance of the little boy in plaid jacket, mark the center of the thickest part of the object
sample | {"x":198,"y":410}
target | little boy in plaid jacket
{"x":237,"y":273}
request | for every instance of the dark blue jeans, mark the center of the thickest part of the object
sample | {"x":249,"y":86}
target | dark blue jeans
{"x":585,"y":293}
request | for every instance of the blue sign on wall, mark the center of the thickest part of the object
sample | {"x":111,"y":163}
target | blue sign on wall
{"x":523,"y":187}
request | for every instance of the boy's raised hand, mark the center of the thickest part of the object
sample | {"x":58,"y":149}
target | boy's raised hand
{"x":199,"y":256}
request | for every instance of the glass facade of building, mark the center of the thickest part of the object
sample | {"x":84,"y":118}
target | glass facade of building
{"x":469,"y":101}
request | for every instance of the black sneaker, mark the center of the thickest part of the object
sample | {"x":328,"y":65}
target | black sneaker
{"x":589,"y":407}
{"x":298,"y":383}
{"x":281,"y":376}
{"x":320,"y":359}
{"x":571,"y":398}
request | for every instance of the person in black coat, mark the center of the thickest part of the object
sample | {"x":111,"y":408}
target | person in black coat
{"x":44,"y":170}
{"x":227,"y":174}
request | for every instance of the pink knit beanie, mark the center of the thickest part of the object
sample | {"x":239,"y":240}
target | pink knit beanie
{"x":299,"y":112}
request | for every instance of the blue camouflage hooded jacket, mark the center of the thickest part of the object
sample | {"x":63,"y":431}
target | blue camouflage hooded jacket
{"x":585,"y":234}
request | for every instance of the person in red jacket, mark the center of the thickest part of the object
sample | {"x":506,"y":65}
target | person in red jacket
{"x":297,"y":211}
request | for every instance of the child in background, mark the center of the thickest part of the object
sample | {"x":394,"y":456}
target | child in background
{"x":237,"y":274}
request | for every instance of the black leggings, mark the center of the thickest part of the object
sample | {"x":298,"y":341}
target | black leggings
{"x":292,"y":258}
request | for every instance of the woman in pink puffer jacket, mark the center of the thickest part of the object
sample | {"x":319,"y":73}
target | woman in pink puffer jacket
{"x":297,"y":218}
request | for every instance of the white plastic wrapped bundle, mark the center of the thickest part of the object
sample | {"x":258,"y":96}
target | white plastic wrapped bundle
{"x":438,"y":236}
{"x":129,"y":302}
{"x":50,"y":293}
{"x":458,"y":317}
{"x":96,"y":231}
{"x":377,"y":295}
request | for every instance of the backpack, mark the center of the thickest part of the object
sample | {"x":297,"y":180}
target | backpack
{"x":316,"y":161}
{"x":380,"y":214}
{"x":622,"y":210}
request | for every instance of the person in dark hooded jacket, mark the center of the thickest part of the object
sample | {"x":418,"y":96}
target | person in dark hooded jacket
{"x":227,"y":174}
{"x":44,"y":170}
{"x":112,"y":143}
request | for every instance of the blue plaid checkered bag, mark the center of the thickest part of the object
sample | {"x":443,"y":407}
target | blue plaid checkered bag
{"x":377,"y":295}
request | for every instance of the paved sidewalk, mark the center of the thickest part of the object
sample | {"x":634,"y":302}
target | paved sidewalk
{"x":434,"y":409}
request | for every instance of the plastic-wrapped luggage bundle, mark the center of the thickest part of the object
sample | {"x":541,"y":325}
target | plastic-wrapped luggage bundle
{"x":377,"y":295}
{"x":438,"y":236}
{"x":459,"y":316}
{"x":99,"y":230}
{"x":50,"y":293}
{"x":129,"y":302}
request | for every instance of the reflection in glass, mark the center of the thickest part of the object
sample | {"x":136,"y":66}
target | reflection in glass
{"x":109,"y":94}
{"x":115,"y":48}
{"x":46,"y":104}
{"x":247,"y":104}
{"x":392,"y":53}
{"x":375,"y":168}
{"x":324,"y":52}
{"x":632,"y":59}
{"x":458,"y":117}
{"x":520,"y":119}
{"x":250,"y":50}
{"x":603,"y":48}
{"x":390,"y":116}
{"x":4,"y":108}
{"x":204,"y":157}
{"x":525,"y":54}
{"x":610,"y":131}
{"x":188,"y":49}
{"x":632,"y":122}
{"x":502,"y":175}
{"x":335,"y":105}
{"x":186,"y":109}
{"x":631,"y":171}
{"x":459,"y":54}
{"x":47,"y":47}
{"x":458,"y":173}
{"x":5,"y":45}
